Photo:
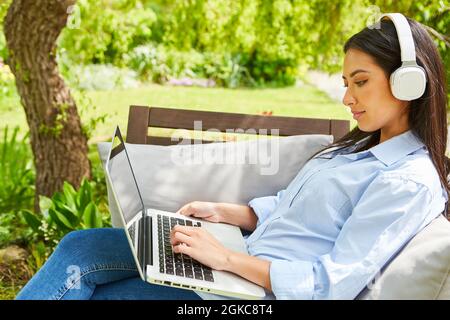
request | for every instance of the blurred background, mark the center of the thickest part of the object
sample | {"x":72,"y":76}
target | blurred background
{"x":281,"y":57}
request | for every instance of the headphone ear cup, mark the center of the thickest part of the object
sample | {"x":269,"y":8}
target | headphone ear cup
{"x":408,"y":83}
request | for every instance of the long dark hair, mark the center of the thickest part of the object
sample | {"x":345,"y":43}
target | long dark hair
{"x":427,"y":115}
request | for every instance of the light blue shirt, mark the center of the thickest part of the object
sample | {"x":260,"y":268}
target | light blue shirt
{"x":341,"y":220}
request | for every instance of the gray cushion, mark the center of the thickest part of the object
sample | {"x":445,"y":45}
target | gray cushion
{"x":420,"y":270}
{"x":169,"y":177}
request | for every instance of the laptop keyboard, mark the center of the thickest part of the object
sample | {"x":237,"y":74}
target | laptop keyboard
{"x":176,"y":263}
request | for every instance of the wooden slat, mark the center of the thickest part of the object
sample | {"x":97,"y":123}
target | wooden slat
{"x":165,"y":141}
{"x":339,"y":128}
{"x":223,"y":121}
{"x":138,"y":118}
{"x":142,"y":117}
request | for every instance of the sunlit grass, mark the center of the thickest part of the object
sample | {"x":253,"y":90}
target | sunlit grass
{"x":304,"y":101}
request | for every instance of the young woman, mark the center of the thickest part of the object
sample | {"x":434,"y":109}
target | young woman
{"x":327,"y":235}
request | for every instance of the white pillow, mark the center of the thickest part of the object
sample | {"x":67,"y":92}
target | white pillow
{"x":419,"y":271}
{"x":169,"y":177}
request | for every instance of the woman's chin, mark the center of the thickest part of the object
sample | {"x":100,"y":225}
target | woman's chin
{"x":366,"y":128}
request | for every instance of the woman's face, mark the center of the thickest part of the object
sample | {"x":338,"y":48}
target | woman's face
{"x":368,"y":91}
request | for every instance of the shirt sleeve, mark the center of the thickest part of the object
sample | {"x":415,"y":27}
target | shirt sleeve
{"x":389,"y":213}
{"x":264,"y":206}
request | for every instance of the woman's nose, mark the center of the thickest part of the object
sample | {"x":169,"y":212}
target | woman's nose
{"x":348,"y":99}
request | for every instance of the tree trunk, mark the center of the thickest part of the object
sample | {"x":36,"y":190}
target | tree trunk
{"x":58,"y":142}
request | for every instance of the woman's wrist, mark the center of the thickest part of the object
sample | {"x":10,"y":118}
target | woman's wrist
{"x":238,"y":215}
{"x":251,"y":268}
{"x":229,"y":258}
{"x":220,"y":212}
{"x":224,"y":213}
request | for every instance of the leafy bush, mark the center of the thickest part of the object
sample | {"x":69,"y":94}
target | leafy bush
{"x":66,"y":211}
{"x":257,"y":42}
{"x":17,"y":173}
{"x":269,"y":71}
{"x":101,"y":77}
{"x":17,"y":177}
{"x":226,"y":70}
{"x":149,"y":62}
{"x":13,"y":229}
{"x":107,"y":30}
{"x":160,"y":64}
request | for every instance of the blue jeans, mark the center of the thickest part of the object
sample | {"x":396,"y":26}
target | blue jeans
{"x":95,"y":264}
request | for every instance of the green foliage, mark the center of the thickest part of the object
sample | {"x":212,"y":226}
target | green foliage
{"x":4,"y":5}
{"x":13,"y":229}
{"x":17,"y":178}
{"x":149,"y":62}
{"x":7,"y":87}
{"x":56,"y":128}
{"x":107,"y":30}
{"x":102,"y":77}
{"x":66,"y":211}
{"x":17,"y":174}
{"x":226,"y":70}
{"x":159,"y":64}
{"x":273,"y":36}
{"x":241,"y":42}
{"x":252,"y":42}
{"x":85,"y":105}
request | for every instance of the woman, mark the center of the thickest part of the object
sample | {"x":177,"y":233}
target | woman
{"x":328,"y":234}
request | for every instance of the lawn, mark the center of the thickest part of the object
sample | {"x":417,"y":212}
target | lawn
{"x":303,"y":101}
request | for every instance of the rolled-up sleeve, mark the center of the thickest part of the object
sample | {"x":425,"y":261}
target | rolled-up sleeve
{"x":388,"y":214}
{"x":264,"y":206}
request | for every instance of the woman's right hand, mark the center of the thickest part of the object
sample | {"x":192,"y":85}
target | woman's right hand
{"x":208,"y":211}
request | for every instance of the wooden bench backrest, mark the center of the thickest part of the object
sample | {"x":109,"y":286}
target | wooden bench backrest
{"x":140,"y":118}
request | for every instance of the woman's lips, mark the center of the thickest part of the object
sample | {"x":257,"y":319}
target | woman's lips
{"x":357,"y":115}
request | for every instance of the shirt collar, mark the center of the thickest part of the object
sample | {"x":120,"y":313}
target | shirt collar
{"x":395,"y":148}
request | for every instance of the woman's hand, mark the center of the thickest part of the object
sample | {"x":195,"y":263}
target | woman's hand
{"x":208,"y":211}
{"x":200,"y":245}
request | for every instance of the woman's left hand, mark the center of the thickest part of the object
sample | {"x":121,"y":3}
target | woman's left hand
{"x":200,"y":245}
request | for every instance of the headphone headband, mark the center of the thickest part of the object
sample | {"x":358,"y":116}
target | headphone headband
{"x":408,"y":50}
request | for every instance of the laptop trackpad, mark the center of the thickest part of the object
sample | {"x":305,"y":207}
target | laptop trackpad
{"x":230,"y":236}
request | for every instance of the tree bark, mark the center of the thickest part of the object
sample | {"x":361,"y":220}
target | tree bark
{"x":58,"y":142}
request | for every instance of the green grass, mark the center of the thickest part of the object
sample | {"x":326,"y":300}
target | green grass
{"x":305,"y":101}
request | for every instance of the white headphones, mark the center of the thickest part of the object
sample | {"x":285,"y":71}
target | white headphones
{"x":409,"y":81}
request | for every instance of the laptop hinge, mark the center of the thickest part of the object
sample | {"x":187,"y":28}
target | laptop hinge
{"x":147,"y":244}
{"x":141,"y":244}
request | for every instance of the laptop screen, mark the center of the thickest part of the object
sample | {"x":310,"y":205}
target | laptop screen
{"x":123,"y":179}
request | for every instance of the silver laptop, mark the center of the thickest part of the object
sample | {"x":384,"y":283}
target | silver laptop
{"x":148,"y":233}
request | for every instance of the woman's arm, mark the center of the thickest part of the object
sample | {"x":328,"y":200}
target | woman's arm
{"x":251,"y":268}
{"x":244,"y":216}
{"x":238,"y":215}
{"x":235,"y":214}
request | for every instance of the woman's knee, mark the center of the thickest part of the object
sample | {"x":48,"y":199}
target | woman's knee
{"x":92,"y":242}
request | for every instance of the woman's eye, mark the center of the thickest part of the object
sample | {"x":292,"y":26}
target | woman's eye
{"x":360,"y":83}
